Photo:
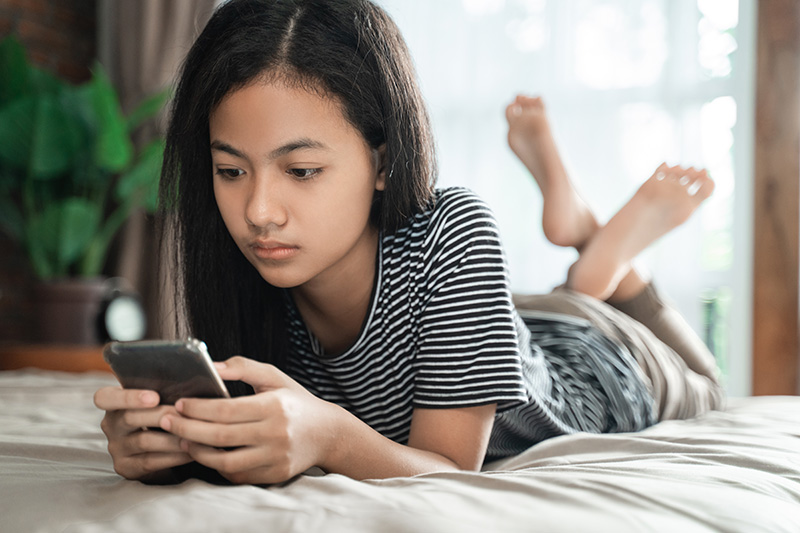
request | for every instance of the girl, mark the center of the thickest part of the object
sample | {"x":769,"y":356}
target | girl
{"x":373,"y":310}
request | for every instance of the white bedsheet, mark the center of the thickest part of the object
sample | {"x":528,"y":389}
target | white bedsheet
{"x":737,"y":471}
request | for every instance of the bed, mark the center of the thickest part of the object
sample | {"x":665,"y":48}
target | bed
{"x":736,"y":470}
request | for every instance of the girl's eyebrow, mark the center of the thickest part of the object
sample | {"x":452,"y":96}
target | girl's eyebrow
{"x":227,"y":148}
{"x":299,"y":144}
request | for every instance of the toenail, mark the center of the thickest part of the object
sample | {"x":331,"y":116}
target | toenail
{"x":516,"y":110}
{"x":660,"y":176}
{"x":684,"y":180}
{"x":693,"y":188}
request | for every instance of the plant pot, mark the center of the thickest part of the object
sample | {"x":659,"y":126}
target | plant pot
{"x":67,"y":309}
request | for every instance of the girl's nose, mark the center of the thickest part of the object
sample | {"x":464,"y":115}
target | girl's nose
{"x":265,"y":206}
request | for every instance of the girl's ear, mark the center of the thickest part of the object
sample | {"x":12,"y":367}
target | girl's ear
{"x":380,"y":163}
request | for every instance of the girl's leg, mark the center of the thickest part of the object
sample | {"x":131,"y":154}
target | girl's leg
{"x":566,"y":218}
{"x":604,"y":269}
{"x":649,"y":308}
{"x":662,"y":203}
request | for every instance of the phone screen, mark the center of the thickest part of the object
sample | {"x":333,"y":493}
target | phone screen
{"x":174,"y":369}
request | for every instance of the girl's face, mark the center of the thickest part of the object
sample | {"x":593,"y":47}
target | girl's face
{"x":294,"y":182}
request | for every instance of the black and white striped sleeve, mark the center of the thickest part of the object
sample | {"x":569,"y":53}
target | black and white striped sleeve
{"x":468,"y":352}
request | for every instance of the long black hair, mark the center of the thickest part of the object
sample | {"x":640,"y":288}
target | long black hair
{"x":349,"y":50}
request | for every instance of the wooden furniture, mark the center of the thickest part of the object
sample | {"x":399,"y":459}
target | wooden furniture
{"x":53,"y":357}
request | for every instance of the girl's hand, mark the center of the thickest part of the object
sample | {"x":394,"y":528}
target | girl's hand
{"x":276,"y":434}
{"x":138,"y":453}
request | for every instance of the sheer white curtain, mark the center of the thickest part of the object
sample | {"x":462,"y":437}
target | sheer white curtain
{"x":628,"y":84}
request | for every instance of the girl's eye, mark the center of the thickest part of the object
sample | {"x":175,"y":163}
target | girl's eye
{"x":229,"y":173}
{"x":303,"y":173}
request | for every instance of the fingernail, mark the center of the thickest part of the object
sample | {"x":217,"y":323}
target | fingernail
{"x":221,"y":365}
{"x":165,"y":423}
{"x":179,"y":406}
{"x":148,"y":397}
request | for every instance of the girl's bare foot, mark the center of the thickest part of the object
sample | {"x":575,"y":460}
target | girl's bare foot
{"x":663,"y":202}
{"x":566,"y":219}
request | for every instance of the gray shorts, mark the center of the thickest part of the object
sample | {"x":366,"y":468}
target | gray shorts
{"x":677,"y":368}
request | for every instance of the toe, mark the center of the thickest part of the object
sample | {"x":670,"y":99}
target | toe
{"x":707,"y":187}
{"x":703,"y":186}
{"x":530,"y":101}
{"x":660,"y":172}
{"x":513,"y":111}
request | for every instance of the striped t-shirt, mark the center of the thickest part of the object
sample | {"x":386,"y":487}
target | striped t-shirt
{"x":441,"y":332}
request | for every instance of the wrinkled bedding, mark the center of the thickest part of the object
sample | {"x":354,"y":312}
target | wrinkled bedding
{"x":736,"y":470}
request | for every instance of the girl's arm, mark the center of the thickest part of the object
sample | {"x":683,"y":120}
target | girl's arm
{"x":283,"y":430}
{"x":441,"y":439}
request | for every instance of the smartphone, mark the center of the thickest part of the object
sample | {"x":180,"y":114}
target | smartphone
{"x":174,"y":369}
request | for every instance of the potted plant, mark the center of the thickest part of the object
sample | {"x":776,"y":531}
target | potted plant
{"x":69,"y":173}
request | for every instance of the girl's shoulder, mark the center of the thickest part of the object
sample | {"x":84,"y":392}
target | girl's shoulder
{"x":454,"y":202}
{"x":455,"y":217}
{"x":452,"y":195}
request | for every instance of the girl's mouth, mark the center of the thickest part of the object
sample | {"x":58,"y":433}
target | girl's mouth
{"x":274,"y":251}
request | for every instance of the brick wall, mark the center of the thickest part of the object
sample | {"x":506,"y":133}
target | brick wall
{"x":59,"y":35}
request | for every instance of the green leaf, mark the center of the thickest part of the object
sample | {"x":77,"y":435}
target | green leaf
{"x":79,"y":101}
{"x":38,"y":136}
{"x":147,"y":109}
{"x":42,"y":264}
{"x":140,"y":183}
{"x":43,"y":82}
{"x":113,"y":149}
{"x":17,"y":123}
{"x":80,"y":220}
{"x":57,"y":137}
{"x":59,"y":236}
{"x":93,"y":261}
{"x":10,"y":180}
{"x":41,"y":240}
{"x":14,"y":70}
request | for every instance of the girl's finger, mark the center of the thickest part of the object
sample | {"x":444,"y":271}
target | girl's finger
{"x":244,"y":465}
{"x":260,"y":375}
{"x":225,"y":462}
{"x":135,"y":466}
{"x":211,"y":434}
{"x":232,"y":411}
{"x":149,"y":441}
{"x":115,"y":398}
{"x":145,"y":418}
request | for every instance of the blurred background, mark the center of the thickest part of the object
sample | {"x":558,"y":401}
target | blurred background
{"x":627,"y":84}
